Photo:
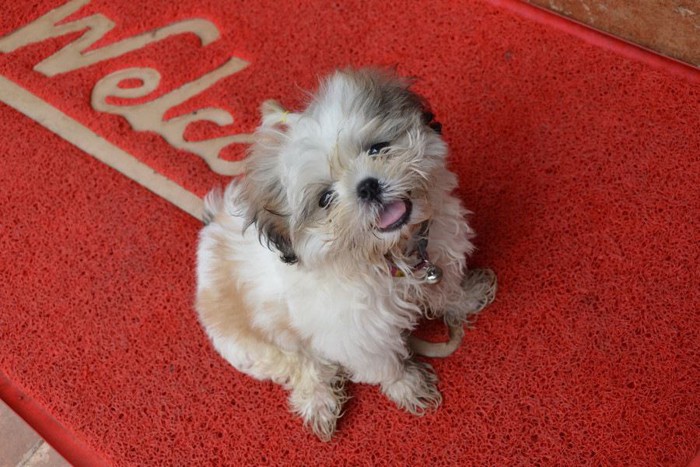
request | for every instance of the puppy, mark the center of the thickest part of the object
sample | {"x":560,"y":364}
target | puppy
{"x":343,"y":233}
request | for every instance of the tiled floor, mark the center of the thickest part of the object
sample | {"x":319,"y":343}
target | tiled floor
{"x":20,"y":446}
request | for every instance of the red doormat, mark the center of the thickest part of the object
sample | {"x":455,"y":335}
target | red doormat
{"x":578,"y":154}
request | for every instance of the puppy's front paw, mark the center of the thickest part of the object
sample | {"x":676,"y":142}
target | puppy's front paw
{"x":417,"y":391}
{"x":320,"y":409}
{"x":480,"y":286}
{"x":478,"y":291}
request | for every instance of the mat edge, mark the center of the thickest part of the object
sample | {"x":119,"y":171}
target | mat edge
{"x":62,"y":439}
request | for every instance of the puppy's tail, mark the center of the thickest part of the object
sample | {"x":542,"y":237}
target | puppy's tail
{"x":213,"y":204}
{"x":437,"y":349}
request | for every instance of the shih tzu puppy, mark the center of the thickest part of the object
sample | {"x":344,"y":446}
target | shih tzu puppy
{"x":315,"y":267}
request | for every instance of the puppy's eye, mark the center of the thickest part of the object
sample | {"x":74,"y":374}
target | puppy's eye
{"x":377,"y":148}
{"x":325,"y":199}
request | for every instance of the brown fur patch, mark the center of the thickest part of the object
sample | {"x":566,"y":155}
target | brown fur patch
{"x":225,"y":309}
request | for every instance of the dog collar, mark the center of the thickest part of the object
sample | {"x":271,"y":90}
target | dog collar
{"x":432,"y":274}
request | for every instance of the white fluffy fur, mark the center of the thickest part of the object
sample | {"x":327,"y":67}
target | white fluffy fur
{"x":337,"y":312}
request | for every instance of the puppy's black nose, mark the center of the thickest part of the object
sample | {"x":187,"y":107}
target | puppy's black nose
{"x":369,"y":189}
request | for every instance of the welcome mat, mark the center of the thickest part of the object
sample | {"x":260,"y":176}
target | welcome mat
{"x":578,"y":154}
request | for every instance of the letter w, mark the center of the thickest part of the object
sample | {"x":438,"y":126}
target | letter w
{"x":71,"y":57}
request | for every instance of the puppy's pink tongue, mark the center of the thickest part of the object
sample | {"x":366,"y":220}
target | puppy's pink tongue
{"x":391,"y":214}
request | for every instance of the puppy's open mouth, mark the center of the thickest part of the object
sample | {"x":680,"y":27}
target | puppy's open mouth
{"x":394,"y":215}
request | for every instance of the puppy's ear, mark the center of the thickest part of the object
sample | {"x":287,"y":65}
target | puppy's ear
{"x":273,"y":228}
{"x":263,"y":193}
{"x":429,"y":119}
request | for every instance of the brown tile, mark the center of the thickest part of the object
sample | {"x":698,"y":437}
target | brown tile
{"x":21,"y":446}
{"x":16,"y":437}
{"x":669,"y":27}
{"x":45,"y":456}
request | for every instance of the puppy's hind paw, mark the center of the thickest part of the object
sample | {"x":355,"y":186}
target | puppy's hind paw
{"x":417,"y":391}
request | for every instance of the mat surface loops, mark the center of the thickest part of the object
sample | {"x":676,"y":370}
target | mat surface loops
{"x":581,"y":166}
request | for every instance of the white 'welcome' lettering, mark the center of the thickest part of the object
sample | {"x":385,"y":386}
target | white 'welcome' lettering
{"x":149,"y":116}
{"x":73,"y":56}
{"x":142,"y":117}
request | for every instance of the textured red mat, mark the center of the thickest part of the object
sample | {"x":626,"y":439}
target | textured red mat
{"x":580,"y":158}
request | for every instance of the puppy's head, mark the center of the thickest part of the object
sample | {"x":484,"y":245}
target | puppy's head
{"x":350,"y":177}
